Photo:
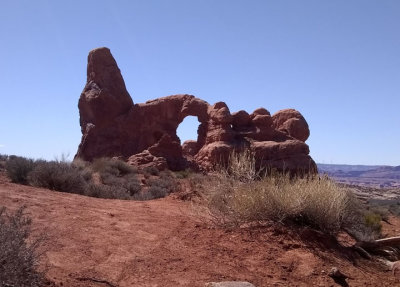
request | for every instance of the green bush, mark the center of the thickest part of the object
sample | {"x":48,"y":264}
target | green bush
{"x":18,"y":168}
{"x":373,"y":222}
{"x":18,"y":258}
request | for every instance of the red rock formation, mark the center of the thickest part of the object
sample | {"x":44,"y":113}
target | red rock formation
{"x":145,"y":134}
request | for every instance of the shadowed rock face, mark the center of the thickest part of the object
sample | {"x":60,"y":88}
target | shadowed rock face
{"x":112,"y":126}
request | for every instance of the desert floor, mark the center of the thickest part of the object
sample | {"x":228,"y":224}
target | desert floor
{"x":169,"y":242}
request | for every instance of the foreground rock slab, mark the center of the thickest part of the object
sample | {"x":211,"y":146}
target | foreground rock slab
{"x":113,"y":126}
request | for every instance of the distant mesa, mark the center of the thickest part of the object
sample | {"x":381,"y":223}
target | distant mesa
{"x":145,"y":134}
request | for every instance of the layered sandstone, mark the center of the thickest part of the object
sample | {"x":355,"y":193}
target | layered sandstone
{"x":145,"y":134}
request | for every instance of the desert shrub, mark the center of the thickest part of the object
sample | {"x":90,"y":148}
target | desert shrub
{"x":60,"y":176}
{"x":157,"y":192}
{"x":315,"y":202}
{"x":183,"y":173}
{"x":115,"y":167}
{"x":165,"y":181}
{"x":118,"y":179}
{"x":151,"y":170}
{"x":129,"y":183}
{"x":153,"y":192}
{"x":84,"y":168}
{"x":107,"y":192}
{"x":3,"y":159}
{"x":18,"y":258}
{"x":159,"y":187}
{"x":133,"y":186}
{"x":18,"y":168}
{"x":197,"y":183}
{"x":373,"y":223}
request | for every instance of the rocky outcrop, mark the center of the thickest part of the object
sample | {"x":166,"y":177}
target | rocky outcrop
{"x":145,"y":134}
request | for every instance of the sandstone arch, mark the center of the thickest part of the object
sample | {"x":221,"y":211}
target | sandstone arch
{"x":112,"y":125}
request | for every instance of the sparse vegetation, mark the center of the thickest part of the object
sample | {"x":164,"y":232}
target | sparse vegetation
{"x":161,"y":186}
{"x":373,"y":223}
{"x":183,"y":173}
{"x":18,"y":258}
{"x":240,"y":194}
{"x":59,"y":176}
{"x":112,"y":166}
{"x":18,"y":168}
{"x":150,"y":170}
{"x":241,"y":166}
{"x":237,"y":198}
{"x":104,"y":178}
{"x":3,"y":159}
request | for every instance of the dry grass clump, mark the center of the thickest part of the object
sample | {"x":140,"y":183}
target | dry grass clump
{"x":241,"y":166}
{"x":315,"y":202}
{"x":235,"y":198}
{"x":18,"y":258}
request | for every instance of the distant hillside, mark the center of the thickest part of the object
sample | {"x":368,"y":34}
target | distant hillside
{"x":347,"y":167}
{"x":365,"y":175}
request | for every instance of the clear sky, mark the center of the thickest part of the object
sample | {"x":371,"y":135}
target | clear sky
{"x":337,"y":62}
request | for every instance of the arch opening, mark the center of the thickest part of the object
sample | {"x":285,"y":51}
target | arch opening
{"x":188,"y":129}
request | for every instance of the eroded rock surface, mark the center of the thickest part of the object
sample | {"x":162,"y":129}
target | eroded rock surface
{"x":113,"y":126}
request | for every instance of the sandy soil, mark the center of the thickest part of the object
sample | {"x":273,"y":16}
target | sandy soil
{"x":167,"y":243}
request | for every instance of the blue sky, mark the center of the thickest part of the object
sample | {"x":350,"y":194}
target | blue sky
{"x":337,"y":62}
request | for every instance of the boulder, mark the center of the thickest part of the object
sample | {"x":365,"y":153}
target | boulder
{"x":292,"y":123}
{"x":146,"y":159}
{"x":190,"y":148}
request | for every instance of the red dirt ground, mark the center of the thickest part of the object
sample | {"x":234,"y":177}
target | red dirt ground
{"x":167,"y":243}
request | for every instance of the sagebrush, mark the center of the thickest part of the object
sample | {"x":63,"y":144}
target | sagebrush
{"x":108,"y":178}
{"x":18,"y":168}
{"x":19,"y":259}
